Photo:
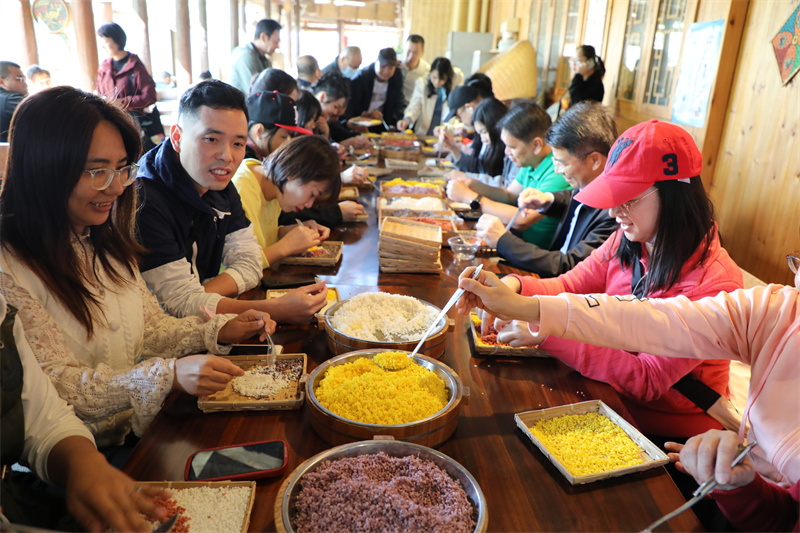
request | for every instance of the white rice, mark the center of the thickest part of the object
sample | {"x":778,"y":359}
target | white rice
{"x":214,"y":510}
{"x":378,"y":316}
{"x":415,"y":204}
{"x":261,"y":382}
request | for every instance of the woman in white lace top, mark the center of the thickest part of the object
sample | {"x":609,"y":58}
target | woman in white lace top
{"x":69,"y":264}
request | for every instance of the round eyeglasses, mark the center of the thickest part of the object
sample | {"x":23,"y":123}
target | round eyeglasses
{"x":101,"y":178}
{"x":625,"y":209}
{"x":794,"y":261}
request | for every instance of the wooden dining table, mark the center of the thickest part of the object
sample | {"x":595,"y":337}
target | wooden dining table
{"x":523,"y":490}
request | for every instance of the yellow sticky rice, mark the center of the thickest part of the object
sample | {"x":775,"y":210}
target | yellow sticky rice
{"x":587,"y":443}
{"x":409,"y":183}
{"x":392,"y":360}
{"x":364,"y":392}
{"x":331,"y":295}
{"x":475,"y":319}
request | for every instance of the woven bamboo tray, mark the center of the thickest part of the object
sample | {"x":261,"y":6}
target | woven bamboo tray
{"x":176,"y":485}
{"x":228,"y":400}
{"x":349,"y":192}
{"x":650,"y":453}
{"x":334,"y":253}
{"x":505,"y":351}
{"x":435,"y":192}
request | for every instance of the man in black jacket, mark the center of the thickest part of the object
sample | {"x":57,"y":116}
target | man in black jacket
{"x":12,"y":90}
{"x":580,"y":140}
{"x":377,"y":90}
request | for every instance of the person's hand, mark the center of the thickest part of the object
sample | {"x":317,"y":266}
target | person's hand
{"x":244,"y":326}
{"x":299,"y":239}
{"x":711,"y":453}
{"x":403,"y":124}
{"x":374,"y":114}
{"x":101,"y":497}
{"x":534,"y":198}
{"x":323,"y":231}
{"x":490,"y":228}
{"x":350,"y":210}
{"x":488,"y":292}
{"x":487,"y":318}
{"x":204,"y":374}
{"x":355,"y":174}
{"x":456,"y":175}
{"x":516,"y":333}
{"x":321,"y":126}
{"x":358,"y":142}
{"x":300,"y":304}
{"x":448,"y":142}
{"x":458,"y":191}
{"x":341,"y":151}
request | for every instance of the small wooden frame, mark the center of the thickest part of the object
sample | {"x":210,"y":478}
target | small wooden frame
{"x":450,"y":226}
{"x":501,"y":350}
{"x":435,"y":192}
{"x":409,"y":246}
{"x":386,"y":210}
{"x":395,"y":163}
{"x":291,"y":397}
{"x":411,"y":231}
{"x":333,"y":254}
{"x":650,"y":453}
{"x":348,"y":193}
{"x":176,"y":485}
{"x":333,"y":297}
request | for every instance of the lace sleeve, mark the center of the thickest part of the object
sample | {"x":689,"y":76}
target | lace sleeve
{"x":168,"y":336}
{"x":95,"y":393}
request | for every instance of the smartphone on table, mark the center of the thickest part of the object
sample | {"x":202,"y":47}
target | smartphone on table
{"x":240,"y":462}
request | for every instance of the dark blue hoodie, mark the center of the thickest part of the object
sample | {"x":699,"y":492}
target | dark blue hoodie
{"x":174,"y":217}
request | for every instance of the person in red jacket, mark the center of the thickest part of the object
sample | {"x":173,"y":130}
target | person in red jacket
{"x":124,"y":78}
{"x":667,"y":245}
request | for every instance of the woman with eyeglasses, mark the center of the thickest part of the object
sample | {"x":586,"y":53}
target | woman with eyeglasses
{"x":759,"y":327}
{"x":587,"y":76}
{"x":667,"y":245}
{"x":69,"y":264}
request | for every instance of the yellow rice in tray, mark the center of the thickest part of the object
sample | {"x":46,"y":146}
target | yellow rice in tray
{"x":587,"y":443}
{"x":364,"y":392}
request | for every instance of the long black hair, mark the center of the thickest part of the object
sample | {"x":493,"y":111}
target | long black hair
{"x":685,"y":224}
{"x":308,"y":108}
{"x":51,"y":135}
{"x":444,"y":68}
{"x":592,"y":57}
{"x":489,"y":113}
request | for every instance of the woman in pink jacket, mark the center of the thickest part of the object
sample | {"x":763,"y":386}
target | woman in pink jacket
{"x":759,"y":326}
{"x":667,"y":245}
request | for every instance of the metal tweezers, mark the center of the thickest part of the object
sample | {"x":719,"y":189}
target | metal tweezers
{"x":701,"y":492}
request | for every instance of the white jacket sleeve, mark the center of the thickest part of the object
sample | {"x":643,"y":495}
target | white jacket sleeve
{"x":414,"y":107}
{"x":48,"y":418}
{"x":242,"y":258}
{"x":179,"y":290}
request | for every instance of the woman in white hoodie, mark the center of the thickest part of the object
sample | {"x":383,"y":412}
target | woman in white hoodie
{"x":429,"y":102}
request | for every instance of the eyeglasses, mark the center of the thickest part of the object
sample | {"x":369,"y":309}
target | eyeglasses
{"x":625,"y":209}
{"x":794,"y":261}
{"x":561,"y":165}
{"x":101,"y":177}
{"x":18,"y":78}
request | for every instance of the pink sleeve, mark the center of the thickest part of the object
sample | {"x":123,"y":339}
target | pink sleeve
{"x":760,"y":506}
{"x":588,"y":276}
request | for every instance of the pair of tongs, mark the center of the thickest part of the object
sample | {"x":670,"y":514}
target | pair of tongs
{"x":701,"y":492}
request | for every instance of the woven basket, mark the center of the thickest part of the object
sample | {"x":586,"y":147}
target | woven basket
{"x":513,"y":72}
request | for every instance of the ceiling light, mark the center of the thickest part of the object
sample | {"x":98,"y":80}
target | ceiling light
{"x":351,"y":3}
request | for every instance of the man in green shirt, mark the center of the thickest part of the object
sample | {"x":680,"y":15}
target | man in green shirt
{"x":522,"y":130}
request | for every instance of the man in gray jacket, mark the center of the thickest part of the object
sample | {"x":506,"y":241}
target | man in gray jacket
{"x":250,"y":59}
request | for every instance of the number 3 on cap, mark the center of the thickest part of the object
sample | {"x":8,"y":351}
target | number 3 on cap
{"x":672,"y":164}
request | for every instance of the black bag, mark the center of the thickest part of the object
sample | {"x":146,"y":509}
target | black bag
{"x":151,"y":127}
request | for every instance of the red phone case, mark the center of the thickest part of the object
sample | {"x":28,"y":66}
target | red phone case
{"x":242,"y":477}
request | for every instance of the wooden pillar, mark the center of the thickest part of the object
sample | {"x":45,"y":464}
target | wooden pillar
{"x":108,"y":12}
{"x":340,"y":31}
{"x":184,"y":55}
{"x":268,"y":9}
{"x":83,"y":18}
{"x":201,"y":9}
{"x":296,"y":5}
{"x":31,"y":48}
{"x":243,"y":20}
{"x":289,"y":47}
{"x":140,"y":8}
{"x":234,"y":23}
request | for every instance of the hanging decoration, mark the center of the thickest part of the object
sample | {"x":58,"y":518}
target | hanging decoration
{"x":787,"y":47}
{"x":52,"y":13}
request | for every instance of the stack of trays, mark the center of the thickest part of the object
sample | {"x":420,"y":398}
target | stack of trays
{"x":408,"y":246}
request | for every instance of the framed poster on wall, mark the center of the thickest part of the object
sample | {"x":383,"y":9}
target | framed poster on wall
{"x":698,"y":71}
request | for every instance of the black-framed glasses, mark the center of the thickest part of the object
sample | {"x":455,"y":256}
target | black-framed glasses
{"x":625,"y":209}
{"x":101,"y":178}
{"x":794,"y":261}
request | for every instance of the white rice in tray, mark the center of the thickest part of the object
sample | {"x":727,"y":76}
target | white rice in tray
{"x":415,"y":204}
{"x":260,"y":382}
{"x":209,"y":509}
{"x":379,"y":316}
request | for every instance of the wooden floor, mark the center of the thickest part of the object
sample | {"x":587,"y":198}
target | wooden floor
{"x":524,"y":491}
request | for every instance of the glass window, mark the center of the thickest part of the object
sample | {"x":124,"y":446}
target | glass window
{"x":555,"y":45}
{"x":541,"y":45}
{"x":635,"y":31}
{"x":595,"y":25}
{"x":666,"y":52}
{"x":570,"y":44}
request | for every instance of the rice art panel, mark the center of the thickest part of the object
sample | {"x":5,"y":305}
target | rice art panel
{"x":787,"y":47}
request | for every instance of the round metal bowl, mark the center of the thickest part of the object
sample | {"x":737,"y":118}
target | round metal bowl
{"x":340,"y":342}
{"x":287,"y":495}
{"x":429,"y":431}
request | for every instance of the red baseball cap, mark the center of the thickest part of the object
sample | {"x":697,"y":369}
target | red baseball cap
{"x":644,"y":154}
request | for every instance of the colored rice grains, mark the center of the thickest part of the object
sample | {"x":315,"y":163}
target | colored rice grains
{"x":382,"y":493}
{"x":587,"y":443}
{"x":364,"y":392}
{"x":208,"y":509}
{"x":264,"y":381}
{"x":401,"y":186}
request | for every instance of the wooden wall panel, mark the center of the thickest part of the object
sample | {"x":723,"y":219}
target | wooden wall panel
{"x":431,"y":19}
{"x":756,"y":182}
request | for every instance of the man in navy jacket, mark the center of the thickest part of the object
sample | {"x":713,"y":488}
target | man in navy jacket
{"x":377,"y":90}
{"x":580,"y":140}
